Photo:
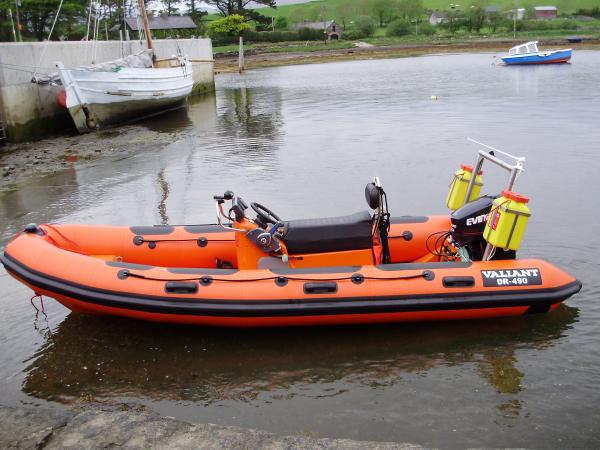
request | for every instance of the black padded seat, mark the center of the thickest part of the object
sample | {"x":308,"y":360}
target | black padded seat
{"x":329,"y":234}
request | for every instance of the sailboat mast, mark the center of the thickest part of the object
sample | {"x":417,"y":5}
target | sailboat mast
{"x":146,"y":27}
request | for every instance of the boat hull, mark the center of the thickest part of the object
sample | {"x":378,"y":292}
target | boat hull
{"x":553,"y":57}
{"x":279,"y":296}
{"x":99,"y":99}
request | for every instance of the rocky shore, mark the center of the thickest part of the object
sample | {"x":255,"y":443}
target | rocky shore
{"x":24,"y":428}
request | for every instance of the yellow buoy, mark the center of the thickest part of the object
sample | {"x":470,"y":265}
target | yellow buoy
{"x":507,"y":221}
{"x":459,"y":186}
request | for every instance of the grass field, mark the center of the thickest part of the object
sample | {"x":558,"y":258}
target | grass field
{"x":358,"y":7}
{"x":332,"y":9}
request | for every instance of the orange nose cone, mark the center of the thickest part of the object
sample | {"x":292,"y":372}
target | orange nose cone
{"x":62,"y":99}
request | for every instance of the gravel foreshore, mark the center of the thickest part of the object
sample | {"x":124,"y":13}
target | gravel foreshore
{"x":28,"y":428}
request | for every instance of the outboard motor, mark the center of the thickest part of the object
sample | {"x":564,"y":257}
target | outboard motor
{"x":468,"y":223}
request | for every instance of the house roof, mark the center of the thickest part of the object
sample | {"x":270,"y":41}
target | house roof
{"x":314,"y":25}
{"x":163,"y":23}
{"x":545,"y":8}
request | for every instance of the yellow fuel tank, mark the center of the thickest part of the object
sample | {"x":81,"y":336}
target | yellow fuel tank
{"x":507,"y":221}
{"x":460,"y":185}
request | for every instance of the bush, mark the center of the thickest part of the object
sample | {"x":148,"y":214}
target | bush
{"x":228,"y":26}
{"x":566,"y":24}
{"x":270,"y":36}
{"x":310,"y":34}
{"x":398,"y":27}
{"x":281,"y":23}
{"x":426,"y":29}
{"x":540,"y":24}
{"x":352,"y":35}
{"x":364,"y":26}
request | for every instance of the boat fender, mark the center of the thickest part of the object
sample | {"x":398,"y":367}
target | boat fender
{"x":357,"y":278}
{"x":206,"y":280}
{"x":428,"y":275}
{"x":33,"y":228}
{"x":406,"y":235}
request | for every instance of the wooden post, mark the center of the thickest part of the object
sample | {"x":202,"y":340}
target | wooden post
{"x":146,"y":27}
{"x":241,"y":55}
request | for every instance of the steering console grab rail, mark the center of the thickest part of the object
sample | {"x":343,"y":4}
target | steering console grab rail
{"x":261,"y":235}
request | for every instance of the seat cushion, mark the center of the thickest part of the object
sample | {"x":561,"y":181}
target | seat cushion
{"x":329,"y":234}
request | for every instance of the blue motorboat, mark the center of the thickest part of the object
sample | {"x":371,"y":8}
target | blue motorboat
{"x":528,"y":53}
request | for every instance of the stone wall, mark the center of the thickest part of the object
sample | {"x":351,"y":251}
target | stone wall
{"x":30,"y":111}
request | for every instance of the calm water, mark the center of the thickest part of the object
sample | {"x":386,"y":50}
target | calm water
{"x":304,"y":140}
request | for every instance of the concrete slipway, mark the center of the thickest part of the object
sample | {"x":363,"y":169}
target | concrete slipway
{"x":29,"y":110}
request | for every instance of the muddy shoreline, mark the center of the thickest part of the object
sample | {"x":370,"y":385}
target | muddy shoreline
{"x":20,"y":162}
{"x":258,"y":59}
{"x":136,"y":428}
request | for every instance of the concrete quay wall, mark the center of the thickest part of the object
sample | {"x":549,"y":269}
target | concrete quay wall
{"x":31,"y":111}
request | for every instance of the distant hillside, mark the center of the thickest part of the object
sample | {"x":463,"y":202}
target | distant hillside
{"x":332,"y":9}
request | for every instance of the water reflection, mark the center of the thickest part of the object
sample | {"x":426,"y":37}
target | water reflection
{"x":30,"y":202}
{"x":101,"y":357}
{"x":168,"y":122}
{"x":164,"y":190}
{"x":250,"y":122}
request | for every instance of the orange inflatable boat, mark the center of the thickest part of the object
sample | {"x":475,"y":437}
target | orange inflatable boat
{"x":254,"y":270}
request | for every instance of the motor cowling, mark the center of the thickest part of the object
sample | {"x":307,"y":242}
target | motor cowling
{"x":468,"y":223}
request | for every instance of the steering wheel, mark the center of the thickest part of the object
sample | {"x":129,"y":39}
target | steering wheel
{"x":264,"y":214}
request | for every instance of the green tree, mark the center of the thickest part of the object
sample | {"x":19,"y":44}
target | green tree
{"x":495,"y":20}
{"x":196,"y":14}
{"x":36,"y":18}
{"x":364,"y":26}
{"x":6,"y":33}
{"x":455,"y":19}
{"x":281,"y":23}
{"x":344,"y":10}
{"x":475,"y":17}
{"x":232,"y":25}
{"x":239,"y":7}
{"x":398,"y":27}
{"x":170,"y":9}
{"x":410,"y":9}
{"x":382,"y":10}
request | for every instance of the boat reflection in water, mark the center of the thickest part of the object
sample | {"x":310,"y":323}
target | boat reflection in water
{"x":100,"y":358}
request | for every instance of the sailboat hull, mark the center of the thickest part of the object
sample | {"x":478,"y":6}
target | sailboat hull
{"x":96,"y":99}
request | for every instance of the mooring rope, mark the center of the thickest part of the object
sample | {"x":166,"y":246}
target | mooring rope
{"x":37,"y":311}
{"x":427,"y":274}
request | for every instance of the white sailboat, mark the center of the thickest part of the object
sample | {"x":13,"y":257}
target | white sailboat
{"x":132,"y":87}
